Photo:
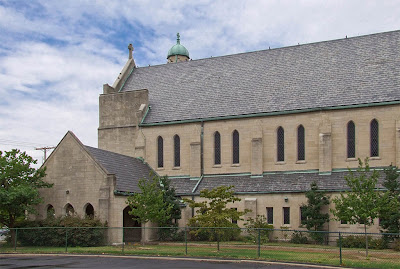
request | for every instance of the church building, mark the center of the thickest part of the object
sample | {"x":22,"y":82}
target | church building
{"x":267,"y":122}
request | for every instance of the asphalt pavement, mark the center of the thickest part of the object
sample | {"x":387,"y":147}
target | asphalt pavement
{"x":24,"y":261}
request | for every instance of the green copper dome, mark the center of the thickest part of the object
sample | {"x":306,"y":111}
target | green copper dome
{"x":178,"y":49}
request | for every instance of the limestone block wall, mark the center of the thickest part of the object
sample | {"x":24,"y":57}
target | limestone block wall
{"x":325,"y":142}
{"x":77,"y":181}
{"x":189,"y":143}
{"x":258,"y":203}
{"x":119,"y":116}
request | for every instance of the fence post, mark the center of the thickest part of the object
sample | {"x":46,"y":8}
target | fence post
{"x":259,"y":243}
{"x":123,"y":240}
{"x":15,"y":241}
{"x":186,"y":252}
{"x":66,"y":239}
{"x":340,"y":248}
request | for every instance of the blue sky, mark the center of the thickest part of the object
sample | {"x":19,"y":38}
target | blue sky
{"x":56,"y":55}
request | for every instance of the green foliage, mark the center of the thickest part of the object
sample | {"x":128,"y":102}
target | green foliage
{"x":19,"y":184}
{"x":354,"y":241}
{"x":359,"y":205}
{"x":156,"y":202}
{"x":313,"y":218}
{"x":213,"y":213}
{"x":299,"y":238}
{"x":84,"y":237}
{"x":396,"y":244}
{"x":260,"y":222}
{"x":389,"y":202}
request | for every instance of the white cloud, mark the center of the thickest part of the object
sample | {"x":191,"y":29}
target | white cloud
{"x":55,"y":55}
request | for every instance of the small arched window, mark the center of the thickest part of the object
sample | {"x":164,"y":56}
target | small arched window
{"x":177,"y":151}
{"x":69,"y":210}
{"x":374,"y":138}
{"x":280,"y":144}
{"x":50,"y":212}
{"x":235,"y":147}
{"x":217,"y":148}
{"x":301,"y":152}
{"x":89,"y":211}
{"x":351,"y":140}
{"x":160,"y":152}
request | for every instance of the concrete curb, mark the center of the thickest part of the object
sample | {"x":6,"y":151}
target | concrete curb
{"x":179,"y":259}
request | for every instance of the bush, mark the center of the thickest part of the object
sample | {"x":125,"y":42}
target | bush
{"x":231,"y":233}
{"x":253,"y":226}
{"x":171,"y":234}
{"x":52,"y":232}
{"x":354,"y":241}
{"x":299,"y":238}
{"x":396,"y":244}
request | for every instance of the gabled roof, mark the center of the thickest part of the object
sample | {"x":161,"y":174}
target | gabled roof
{"x":331,"y":74}
{"x":127,"y":170}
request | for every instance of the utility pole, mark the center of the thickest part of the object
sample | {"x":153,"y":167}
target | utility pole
{"x":45,"y":149}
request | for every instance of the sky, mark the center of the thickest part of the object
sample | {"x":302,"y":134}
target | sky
{"x":56,"y":55}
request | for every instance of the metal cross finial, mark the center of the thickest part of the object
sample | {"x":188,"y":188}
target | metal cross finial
{"x":178,"y":39}
{"x":130,"y":48}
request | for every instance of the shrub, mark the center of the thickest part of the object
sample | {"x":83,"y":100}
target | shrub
{"x":396,"y":244}
{"x":52,"y":232}
{"x":258,"y":225}
{"x":299,"y":238}
{"x":353,"y":241}
{"x":171,"y":234}
{"x":230,"y":233}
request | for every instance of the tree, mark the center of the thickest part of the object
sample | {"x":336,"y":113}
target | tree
{"x":312,"y":217}
{"x":19,"y":189}
{"x":389,"y":202}
{"x":213,"y":213}
{"x":359,"y":205}
{"x":156,"y":202}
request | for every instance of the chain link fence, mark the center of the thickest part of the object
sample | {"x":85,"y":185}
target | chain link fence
{"x":327,"y":248}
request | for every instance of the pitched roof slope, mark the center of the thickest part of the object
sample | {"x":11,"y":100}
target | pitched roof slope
{"x":351,"y":71}
{"x":271,"y":183}
{"x":128,"y":170}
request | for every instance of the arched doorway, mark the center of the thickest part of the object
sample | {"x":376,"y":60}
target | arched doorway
{"x":69,"y":210}
{"x":89,"y":211}
{"x":131,"y":234}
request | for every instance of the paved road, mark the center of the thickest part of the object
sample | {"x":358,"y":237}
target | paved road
{"x":103,"y":262}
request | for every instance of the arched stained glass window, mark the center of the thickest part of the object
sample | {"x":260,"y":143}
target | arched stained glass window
{"x":217,"y":148}
{"x":280,"y":144}
{"x":301,"y":151}
{"x":177,"y":151}
{"x":235,"y":147}
{"x":160,"y":152}
{"x":374,"y":138}
{"x":351,"y":140}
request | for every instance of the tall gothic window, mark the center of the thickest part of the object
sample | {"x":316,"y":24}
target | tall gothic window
{"x":351,"y":140}
{"x":160,"y":152}
{"x":280,"y":144}
{"x":374,"y":138}
{"x":217,"y":148}
{"x":301,"y":152}
{"x":177,"y":151}
{"x":235,"y":147}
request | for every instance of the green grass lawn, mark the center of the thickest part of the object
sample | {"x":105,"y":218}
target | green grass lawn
{"x":272,"y":252}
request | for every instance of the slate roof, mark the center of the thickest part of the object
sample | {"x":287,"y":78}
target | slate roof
{"x":271,"y":183}
{"x":128,"y":170}
{"x":351,"y":71}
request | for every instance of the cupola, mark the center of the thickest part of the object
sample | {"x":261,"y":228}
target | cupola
{"x":178,"y":53}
